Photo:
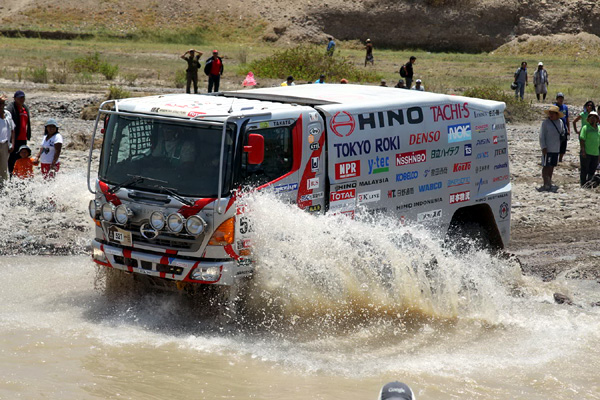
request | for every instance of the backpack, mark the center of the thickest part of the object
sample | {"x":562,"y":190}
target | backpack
{"x":403,"y":71}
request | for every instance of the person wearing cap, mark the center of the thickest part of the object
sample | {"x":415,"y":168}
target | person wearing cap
{"x":400,"y":84}
{"x":396,"y":391}
{"x":7,"y":139}
{"x":540,"y":81}
{"x":289,"y":81}
{"x":418,"y":86}
{"x":550,"y":136}
{"x":22,"y":122}
{"x":50,"y":151}
{"x":521,"y":80}
{"x":214,"y":69}
{"x":560,"y":99}
{"x":192,"y":57}
{"x":321,"y":79}
{"x":369,"y":56}
{"x":383,"y":83}
{"x":589,"y":139}
{"x":24,"y":166}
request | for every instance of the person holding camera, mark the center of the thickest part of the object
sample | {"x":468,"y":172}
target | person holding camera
{"x":192,"y":57}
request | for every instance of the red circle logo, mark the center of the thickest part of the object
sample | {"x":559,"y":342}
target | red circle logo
{"x":342,"y":124}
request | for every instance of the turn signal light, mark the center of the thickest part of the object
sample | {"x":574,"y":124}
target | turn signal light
{"x":224,"y":234}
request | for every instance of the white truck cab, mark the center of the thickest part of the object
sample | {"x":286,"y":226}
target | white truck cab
{"x":171,"y":168}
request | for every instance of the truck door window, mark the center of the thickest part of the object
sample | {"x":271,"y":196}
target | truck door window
{"x":278,"y":159}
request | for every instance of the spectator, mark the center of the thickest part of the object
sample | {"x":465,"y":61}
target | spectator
{"x":369,"y":56}
{"x":400,"y":84}
{"x":192,"y":57}
{"x":344,"y":81}
{"x":249,"y":80}
{"x":50,"y":151}
{"x":590,"y":144}
{"x":396,"y":391}
{"x":321,"y":79}
{"x":289,"y":81}
{"x":588,"y":107}
{"x":406,"y":71}
{"x":214,"y":69}
{"x":521,"y":80}
{"x":24,"y":165}
{"x":7,"y":139}
{"x":330,"y":46}
{"x":560,"y":98}
{"x":540,"y":81}
{"x":418,"y":86}
{"x":22,"y":124}
{"x":383,"y":83}
{"x":550,"y":136}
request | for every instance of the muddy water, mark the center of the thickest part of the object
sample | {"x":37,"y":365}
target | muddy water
{"x":336,"y":309}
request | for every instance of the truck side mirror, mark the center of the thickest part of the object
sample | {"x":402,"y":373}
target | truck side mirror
{"x":255,"y":149}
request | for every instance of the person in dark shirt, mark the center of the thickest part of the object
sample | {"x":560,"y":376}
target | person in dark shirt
{"x":369,"y":55}
{"x":22,"y":119}
{"x":408,"y":70}
{"x":192,"y":57}
{"x":214,"y":69}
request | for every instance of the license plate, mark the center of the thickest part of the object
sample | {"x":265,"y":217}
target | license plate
{"x":120,"y":235}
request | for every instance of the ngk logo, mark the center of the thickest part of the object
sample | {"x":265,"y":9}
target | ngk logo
{"x":464,"y":166}
{"x":342,"y":195}
{"x":342,"y":124}
{"x":348,"y":169}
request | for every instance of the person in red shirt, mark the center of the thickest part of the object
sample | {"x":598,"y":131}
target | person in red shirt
{"x":24,"y":166}
{"x":22,"y":120}
{"x":214,"y":69}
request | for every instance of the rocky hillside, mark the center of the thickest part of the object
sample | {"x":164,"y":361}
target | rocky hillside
{"x":439,"y":25}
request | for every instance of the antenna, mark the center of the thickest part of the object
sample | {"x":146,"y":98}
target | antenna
{"x":231,"y":106}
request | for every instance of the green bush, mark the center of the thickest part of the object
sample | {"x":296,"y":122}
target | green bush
{"x":180,"y":79}
{"x":130,"y":78}
{"x":90,"y":63}
{"x":516,"y":110}
{"x":307,"y":63}
{"x":61,"y":74}
{"x":39,"y":75}
{"x":109,"y":70}
{"x":116,"y":92}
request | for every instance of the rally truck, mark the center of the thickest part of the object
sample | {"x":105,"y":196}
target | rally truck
{"x":172,"y":169}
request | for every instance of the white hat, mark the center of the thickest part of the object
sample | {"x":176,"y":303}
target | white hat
{"x":418,"y":81}
{"x":540,"y":64}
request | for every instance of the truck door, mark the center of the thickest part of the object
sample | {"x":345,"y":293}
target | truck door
{"x":312,"y":185}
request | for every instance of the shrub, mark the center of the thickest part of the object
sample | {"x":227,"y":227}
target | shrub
{"x":516,"y":110}
{"x":39,"y":75}
{"x":85,"y":78}
{"x":109,"y":70}
{"x":130,"y":78}
{"x":307,"y":63}
{"x":89,"y":63}
{"x":61,"y":74}
{"x":180,"y":79}
{"x":117,"y":92}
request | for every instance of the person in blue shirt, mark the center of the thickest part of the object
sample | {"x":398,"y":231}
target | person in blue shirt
{"x":560,"y":99}
{"x":321,"y":79}
{"x":330,"y":46}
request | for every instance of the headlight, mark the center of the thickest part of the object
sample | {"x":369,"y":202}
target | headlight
{"x":107,"y":211}
{"x":99,"y":255}
{"x":209,"y":274}
{"x":122,"y":214}
{"x":175,"y":222}
{"x":195,"y":225}
{"x":157,"y":220}
{"x":93,"y":208}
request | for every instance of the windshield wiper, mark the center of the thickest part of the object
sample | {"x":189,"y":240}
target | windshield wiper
{"x":133,"y":179}
{"x":174,"y":193}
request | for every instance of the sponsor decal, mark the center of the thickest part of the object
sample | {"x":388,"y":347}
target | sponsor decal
{"x":286,"y":188}
{"x":459,"y":181}
{"x":460,"y":197}
{"x":499,"y":139}
{"x":369,"y":197}
{"x":381,"y":210}
{"x":313,"y":116}
{"x":411,"y":157}
{"x":312,"y":183}
{"x":314,"y":208}
{"x":373,"y":182}
{"x":263,"y":125}
{"x":314,"y":146}
{"x":495,"y":139}
{"x":459,"y":133}
{"x":311,"y":197}
{"x":449,"y":152}
{"x":468,"y":149}
{"x":484,"y":154}
{"x":498,"y":127}
{"x":481,"y":114}
{"x":421,"y":203}
{"x":481,"y":128}
{"x":342,"y":195}
{"x":382,"y":119}
{"x":343,"y":202}
{"x":429,"y":215}
{"x":387,"y":144}
{"x":481,"y":183}
{"x":501,"y":178}
{"x":349,"y":169}
{"x":429,"y":187}
{"x":283,"y":122}
{"x":450,"y":112}
{"x":436,"y":171}
{"x":361,"y":147}
{"x":407,"y":176}
{"x":499,"y":152}
{"x":314,"y":164}
{"x":481,"y":168}
{"x":342,"y":124}
{"x":504,"y":210}
{"x":311,"y":139}
{"x":481,"y":142}
{"x":500,"y":166}
{"x":460,"y":167}
{"x":425,"y":137}
{"x":343,"y":186}
{"x":314,"y":131}
{"x":400,"y":192}
{"x":379,"y":165}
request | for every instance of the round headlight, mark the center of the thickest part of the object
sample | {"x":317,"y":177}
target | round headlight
{"x":195,"y":225}
{"x":157,"y":220}
{"x":93,"y":208}
{"x":122,"y":214}
{"x":175,"y":222}
{"x":107,"y":211}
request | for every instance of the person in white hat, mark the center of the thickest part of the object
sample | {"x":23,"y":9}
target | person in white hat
{"x":589,"y":138}
{"x":540,"y":81}
{"x":550,"y":137}
{"x":418,"y":86}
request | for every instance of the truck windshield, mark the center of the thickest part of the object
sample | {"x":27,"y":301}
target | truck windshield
{"x":184,"y":156}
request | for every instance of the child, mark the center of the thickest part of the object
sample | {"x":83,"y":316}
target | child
{"x":50,"y":151}
{"x":24,"y":166}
